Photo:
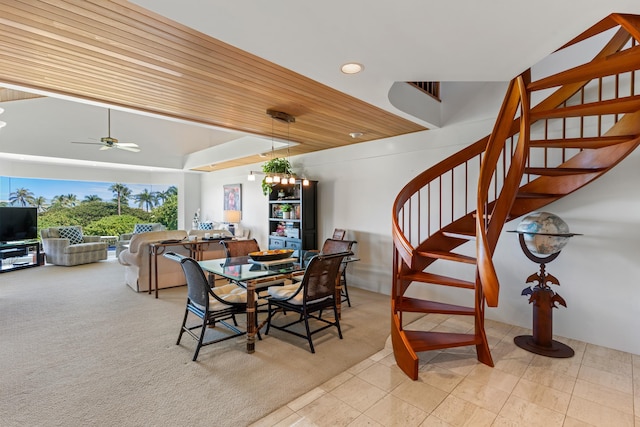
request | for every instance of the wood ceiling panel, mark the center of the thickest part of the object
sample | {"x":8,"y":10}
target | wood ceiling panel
{"x":117,"y":53}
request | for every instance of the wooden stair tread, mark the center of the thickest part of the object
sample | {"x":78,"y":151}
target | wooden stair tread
{"x":629,"y":104}
{"x":415,"y":305}
{"x":460,"y":234}
{"x":450,"y":256}
{"x":529,"y":195}
{"x":616,"y":63}
{"x":582,"y":143}
{"x":561,"y":171}
{"x":437,"y":279}
{"x":427,"y":340}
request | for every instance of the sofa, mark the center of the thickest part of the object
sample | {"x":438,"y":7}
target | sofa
{"x":135,"y":260}
{"x":123,"y":239}
{"x":69,"y":246}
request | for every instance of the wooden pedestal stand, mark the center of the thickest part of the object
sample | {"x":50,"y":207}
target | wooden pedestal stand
{"x":544,"y":300}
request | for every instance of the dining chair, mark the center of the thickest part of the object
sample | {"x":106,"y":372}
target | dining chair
{"x":210,"y":305}
{"x":332,"y":246}
{"x":338,"y":233}
{"x":236,"y":248}
{"x":313,"y":294}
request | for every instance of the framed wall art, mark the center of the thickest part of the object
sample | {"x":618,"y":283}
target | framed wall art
{"x":232,"y":197}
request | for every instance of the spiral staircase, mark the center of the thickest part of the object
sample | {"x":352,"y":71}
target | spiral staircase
{"x":449,"y":218}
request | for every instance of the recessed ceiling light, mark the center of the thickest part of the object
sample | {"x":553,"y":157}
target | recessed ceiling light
{"x":352,"y":68}
{"x":355,"y":135}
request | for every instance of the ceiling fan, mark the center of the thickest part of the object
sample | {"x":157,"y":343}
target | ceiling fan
{"x":107,"y":142}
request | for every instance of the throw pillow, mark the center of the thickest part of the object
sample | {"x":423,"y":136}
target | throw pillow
{"x":142,"y":228}
{"x":205,"y":226}
{"x":74,"y":234}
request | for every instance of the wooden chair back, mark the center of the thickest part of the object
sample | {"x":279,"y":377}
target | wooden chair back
{"x":235,"y":248}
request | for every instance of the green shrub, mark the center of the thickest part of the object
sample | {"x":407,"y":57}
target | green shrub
{"x":113,"y":225}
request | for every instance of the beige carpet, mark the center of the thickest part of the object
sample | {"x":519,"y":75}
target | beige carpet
{"x":80,"y":348}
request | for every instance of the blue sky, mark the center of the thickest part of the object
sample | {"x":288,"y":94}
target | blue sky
{"x":50,"y":188}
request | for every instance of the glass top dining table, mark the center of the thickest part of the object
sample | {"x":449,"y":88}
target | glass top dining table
{"x":252,"y":275}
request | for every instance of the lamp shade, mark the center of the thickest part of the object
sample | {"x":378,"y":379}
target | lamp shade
{"x":232,"y":216}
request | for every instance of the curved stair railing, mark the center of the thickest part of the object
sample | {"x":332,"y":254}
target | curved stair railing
{"x":534,"y":156}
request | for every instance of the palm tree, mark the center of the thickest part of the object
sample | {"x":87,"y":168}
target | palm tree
{"x":22,"y":197}
{"x":72,"y":200}
{"x":92,"y":198}
{"x":40,"y":202}
{"x":171,"y":191}
{"x":162,"y":196}
{"x":58,"y":200}
{"x":65,"y":200}
{"x":146,"y":199}
{"x":121,"y":193}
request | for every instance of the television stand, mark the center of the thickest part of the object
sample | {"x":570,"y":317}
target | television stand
{"x":19,"y":255}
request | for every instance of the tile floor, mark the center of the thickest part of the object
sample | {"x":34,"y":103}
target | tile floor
{"x":597,"y":387}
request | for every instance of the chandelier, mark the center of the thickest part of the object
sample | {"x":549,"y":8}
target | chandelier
{"x":278,"y":169}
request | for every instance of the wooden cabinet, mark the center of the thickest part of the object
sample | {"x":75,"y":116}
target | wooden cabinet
{"x":296,"y":229}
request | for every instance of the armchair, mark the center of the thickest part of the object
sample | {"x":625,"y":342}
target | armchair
{"x":68,"y":246}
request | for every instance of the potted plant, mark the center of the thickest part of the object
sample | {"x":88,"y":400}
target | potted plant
{"x":278,"y":165}
{"x":286,"y":210}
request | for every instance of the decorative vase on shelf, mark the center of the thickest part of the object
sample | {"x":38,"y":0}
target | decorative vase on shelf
{"x":286,"y":215}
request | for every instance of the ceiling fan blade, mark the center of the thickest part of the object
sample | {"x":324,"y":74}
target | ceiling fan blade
{"x":89,"y":143}
{"x":121,"y":147}
{"x":105,"y":147}
{"x":127,"y":144}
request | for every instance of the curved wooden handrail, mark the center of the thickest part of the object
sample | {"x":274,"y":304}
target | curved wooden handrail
{"x":489,"y":224}
{"x":401,"y":242}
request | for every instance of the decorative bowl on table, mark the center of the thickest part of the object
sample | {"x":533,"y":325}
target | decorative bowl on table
{"x":271,"y":255}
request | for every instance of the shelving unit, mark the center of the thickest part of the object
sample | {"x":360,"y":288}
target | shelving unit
{"x":18,"y":255}
{"x":300,"y":230}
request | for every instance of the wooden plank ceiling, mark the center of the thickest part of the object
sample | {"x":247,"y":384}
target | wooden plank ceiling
{"x":117,"y":53}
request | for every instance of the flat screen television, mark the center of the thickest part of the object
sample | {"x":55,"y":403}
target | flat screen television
{"x":18,"y":223}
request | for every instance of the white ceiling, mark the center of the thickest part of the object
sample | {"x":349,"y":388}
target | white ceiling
{"x":404,"y":40}
{"x":401,"y":40}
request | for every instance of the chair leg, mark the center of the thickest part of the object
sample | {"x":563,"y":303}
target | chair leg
{"x":306,"y":325}
{"x":184,"y":322}
{"x":337,"y":320}
{"x":345,"y":289}
{"x":266,"y":332}
{"x":201,"y":339}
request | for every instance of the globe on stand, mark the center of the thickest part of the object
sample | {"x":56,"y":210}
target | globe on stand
{"x":542,"y":236}
{"x":543,"y":233}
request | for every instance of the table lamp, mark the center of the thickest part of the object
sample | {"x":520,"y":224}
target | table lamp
{"x":231,"y":218}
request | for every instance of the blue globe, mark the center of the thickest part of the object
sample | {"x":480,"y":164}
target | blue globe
{"x":540,"y":230}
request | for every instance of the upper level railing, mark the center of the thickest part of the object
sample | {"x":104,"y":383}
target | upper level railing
{"x":430,"y":88}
